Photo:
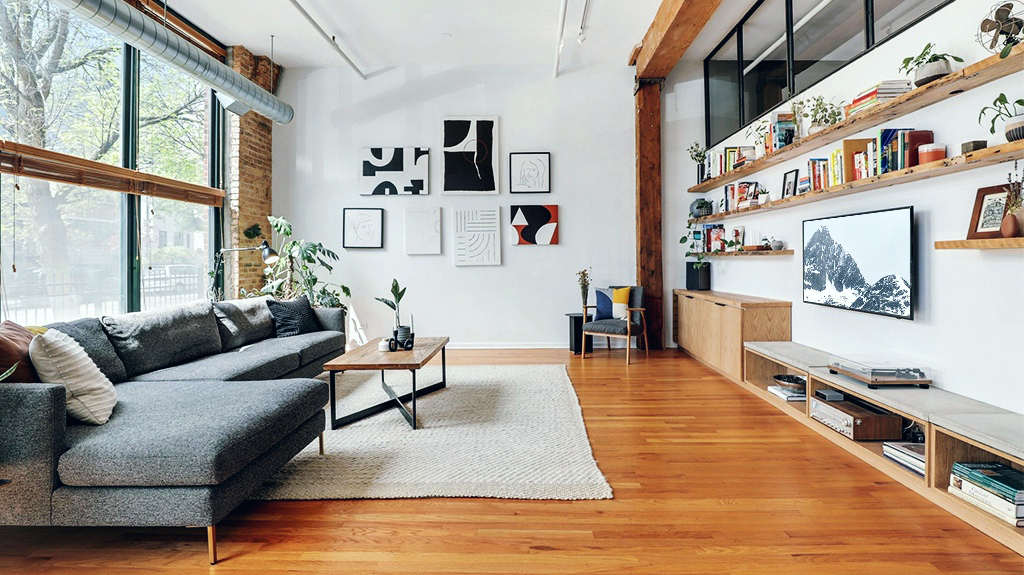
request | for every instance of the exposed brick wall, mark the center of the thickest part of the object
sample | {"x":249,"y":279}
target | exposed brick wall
{"x":250,"y":156}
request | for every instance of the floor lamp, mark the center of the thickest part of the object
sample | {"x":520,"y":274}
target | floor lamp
{"x":268,"y":253}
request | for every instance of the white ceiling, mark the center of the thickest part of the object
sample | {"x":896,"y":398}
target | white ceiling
{"x":383,"y":33}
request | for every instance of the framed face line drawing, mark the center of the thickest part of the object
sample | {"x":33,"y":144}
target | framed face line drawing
{"x":362,"y":228}
{"x":529,"y":172}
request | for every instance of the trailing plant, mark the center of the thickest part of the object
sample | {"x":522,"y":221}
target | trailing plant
{"x":298,"y":270}
{"x":9,"y":371}
{"x":693,"y":249}
{"x":824,"y":113}
{"x":697,"y":152}
{"x":927,"y":56}
{"x":1015,"y":190}
{"x":398,"y":293}
{"x":1001,"y":108}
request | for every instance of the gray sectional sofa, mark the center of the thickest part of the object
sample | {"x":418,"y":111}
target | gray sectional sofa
{"x":210,"y":404}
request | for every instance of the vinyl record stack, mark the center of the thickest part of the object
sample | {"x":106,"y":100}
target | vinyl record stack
{"x":992,"y":487}
{"x":909,"y":456}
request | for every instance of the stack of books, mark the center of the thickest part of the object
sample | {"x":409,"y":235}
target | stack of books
{"x":787,"y":394}
{"x":909,"y":456}
{"x":709,"y":238}
{"x":818,"y":169}
{"x":878,"y":94}
{"x":781,"y":131}
{"x":992,"y":487}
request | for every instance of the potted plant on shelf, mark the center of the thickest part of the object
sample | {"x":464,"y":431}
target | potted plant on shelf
{"x":1011,"y":225}
{"x":402,"y":332}
{"x":1012,"y":114}
{"x":823,"y":114}
{"x":758,"y":132}
{"x":772,"y":243}
{"x":701,"y":208}
{"x":928,"y":66}
{"x":698,"y":154}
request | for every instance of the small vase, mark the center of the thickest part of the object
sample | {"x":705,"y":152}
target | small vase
{"x":1015,"y":129}
{"x":930,"y":72}
{"x":700,"y":173}
{"x":402,"y":333}
{"x":777,"y":245}
{"x":1010,"y":228}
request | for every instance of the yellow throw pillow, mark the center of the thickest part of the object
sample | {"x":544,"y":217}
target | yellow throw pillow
{"x":36,"y":329}
{"x":620,"y":303}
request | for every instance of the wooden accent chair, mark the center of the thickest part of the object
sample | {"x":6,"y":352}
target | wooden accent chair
{"x":620,"y":328}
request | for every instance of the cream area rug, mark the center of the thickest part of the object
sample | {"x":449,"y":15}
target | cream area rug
{"x":511,"y":432}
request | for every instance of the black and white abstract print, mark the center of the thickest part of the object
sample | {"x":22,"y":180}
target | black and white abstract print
{"x":395,"y":171}
{"x":470,"y":156}
{"x":861,"y":262}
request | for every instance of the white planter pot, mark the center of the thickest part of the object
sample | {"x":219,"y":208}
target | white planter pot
{"x":930,"y":72}
{"x":1014,"y":129}
{"x":815,"y":128}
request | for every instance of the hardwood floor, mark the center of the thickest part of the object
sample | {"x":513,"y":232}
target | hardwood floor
{"x":708,"y":479}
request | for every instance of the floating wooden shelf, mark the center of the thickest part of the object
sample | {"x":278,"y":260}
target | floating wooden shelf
{"x":989,"y":156}
{"x":977,"y":74}
{"x":757,"y":253}
{"x":991,"y":244}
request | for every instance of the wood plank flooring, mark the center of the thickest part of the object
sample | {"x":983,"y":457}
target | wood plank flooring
{"x":708,"y":479}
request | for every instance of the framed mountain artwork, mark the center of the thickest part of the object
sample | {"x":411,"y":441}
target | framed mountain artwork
{"x":861,"y":262}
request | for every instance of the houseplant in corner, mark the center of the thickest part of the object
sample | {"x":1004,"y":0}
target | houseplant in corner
{"x":1012,"y":113}
{"x":928,"y":66}
{"x":298,"y":271}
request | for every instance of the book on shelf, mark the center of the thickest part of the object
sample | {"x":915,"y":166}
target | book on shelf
{"x":804,"y":185}
{"x":956,"y":490}
{"x":914,"y":140}
{"x":913,"y":450}
{"x":995,"y":477}
{"x":910,"y":465}
{"x":787,"y":394}
{"x":887,"y":146}
{"x":855,"y":158}
{"x":991,"y":499}
{"x":906,"y":455}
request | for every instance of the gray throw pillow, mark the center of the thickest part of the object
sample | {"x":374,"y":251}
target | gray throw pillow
{"x":150,"y":340}
{"x":243,"y":321}
{"x":88,"y":332}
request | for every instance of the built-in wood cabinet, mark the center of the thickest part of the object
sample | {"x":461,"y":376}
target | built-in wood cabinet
{"x":712,"y":326}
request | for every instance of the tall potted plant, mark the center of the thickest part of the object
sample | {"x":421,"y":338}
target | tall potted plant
{"x":298,"y":271}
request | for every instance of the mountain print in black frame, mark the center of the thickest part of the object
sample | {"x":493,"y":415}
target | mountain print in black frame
{"x":861,"y":262}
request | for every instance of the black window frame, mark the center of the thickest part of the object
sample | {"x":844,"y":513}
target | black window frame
{"x":737,"y":32}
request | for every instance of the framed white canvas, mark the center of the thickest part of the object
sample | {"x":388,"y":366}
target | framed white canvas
{"x":422,"y":231}
{"x":477,"y":237}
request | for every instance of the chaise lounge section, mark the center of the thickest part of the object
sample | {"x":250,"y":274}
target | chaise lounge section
{"x":210,"y":405}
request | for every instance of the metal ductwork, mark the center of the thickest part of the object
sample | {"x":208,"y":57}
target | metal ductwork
{"x":122,"y":21}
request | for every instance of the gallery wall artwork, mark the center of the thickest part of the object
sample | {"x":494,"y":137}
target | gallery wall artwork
{"x":477,"y":237}
{"x":422,"y":231}
{"x":363,"y":228}
{"x":535,"y":225}
{"x":395,"y":171}
{"x":470,"y":156}
{"x":529,"y":172}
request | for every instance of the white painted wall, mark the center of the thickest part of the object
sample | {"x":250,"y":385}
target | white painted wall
{"x":584,"y":118}
{"x":969,"y":324}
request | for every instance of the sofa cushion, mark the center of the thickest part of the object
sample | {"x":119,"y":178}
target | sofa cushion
{"x":609,"y":326}
{"x":88,"y":332}
{"x":243,"y":321}
{"x":308,"y":346}
{"x":14,"y":342}
{"x":293,"y":317}
{"x":187,"y":432}
{"x":150,"y":340}
{"x":60,"y":359}
{"x":247,"y":363}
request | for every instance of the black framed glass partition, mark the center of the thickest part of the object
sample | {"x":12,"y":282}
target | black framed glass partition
{"x":782,"y":47}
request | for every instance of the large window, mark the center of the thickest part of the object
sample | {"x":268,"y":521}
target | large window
{"x":782,"y":47}
{"x":68,"y":251}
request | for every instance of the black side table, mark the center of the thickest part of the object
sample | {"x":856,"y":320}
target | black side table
{"x":576,"y":333}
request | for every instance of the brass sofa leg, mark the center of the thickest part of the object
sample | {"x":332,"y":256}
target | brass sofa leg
{"x":321,"y":443}
{"x":211,"y":541}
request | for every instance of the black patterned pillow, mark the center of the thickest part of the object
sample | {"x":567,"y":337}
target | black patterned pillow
{"x":294,"y":317}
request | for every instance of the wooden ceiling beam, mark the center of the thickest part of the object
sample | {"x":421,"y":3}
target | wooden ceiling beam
{"x":675,"y":26}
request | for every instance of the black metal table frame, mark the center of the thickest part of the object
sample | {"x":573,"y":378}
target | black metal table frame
{"x":395,"y":401}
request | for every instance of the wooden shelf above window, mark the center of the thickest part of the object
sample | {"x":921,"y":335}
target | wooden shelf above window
{"x":989,"y":244}
{"x":973,"y":76}
{"x":989,"y":156}
{"x":760,"y":253}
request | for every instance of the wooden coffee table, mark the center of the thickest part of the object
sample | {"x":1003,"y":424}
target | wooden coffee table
{"x":368,"y":358}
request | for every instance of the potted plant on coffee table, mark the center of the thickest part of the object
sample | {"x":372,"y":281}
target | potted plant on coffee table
{"x":402,"y":333}
{"x":928,"y":66}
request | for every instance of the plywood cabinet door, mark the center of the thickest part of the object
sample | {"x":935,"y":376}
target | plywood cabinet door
{"x":730,"y":358}
{"x":687,"y":306}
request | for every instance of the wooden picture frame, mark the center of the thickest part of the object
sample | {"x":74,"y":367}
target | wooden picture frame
{"x":984,"y":220}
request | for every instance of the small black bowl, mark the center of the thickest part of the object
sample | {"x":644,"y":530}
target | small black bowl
{"x":793,"y":382}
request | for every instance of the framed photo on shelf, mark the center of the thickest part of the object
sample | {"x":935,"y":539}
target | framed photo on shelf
{"x":789,"y":180}
{"x":989,"y":209}
{"x":362,"y":228}
{"x":529,"y":172}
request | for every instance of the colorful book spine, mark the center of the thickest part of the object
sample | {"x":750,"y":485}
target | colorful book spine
{"x":995,"y":477}
{"x":991,"y":499}
{"x":959,"y":493}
